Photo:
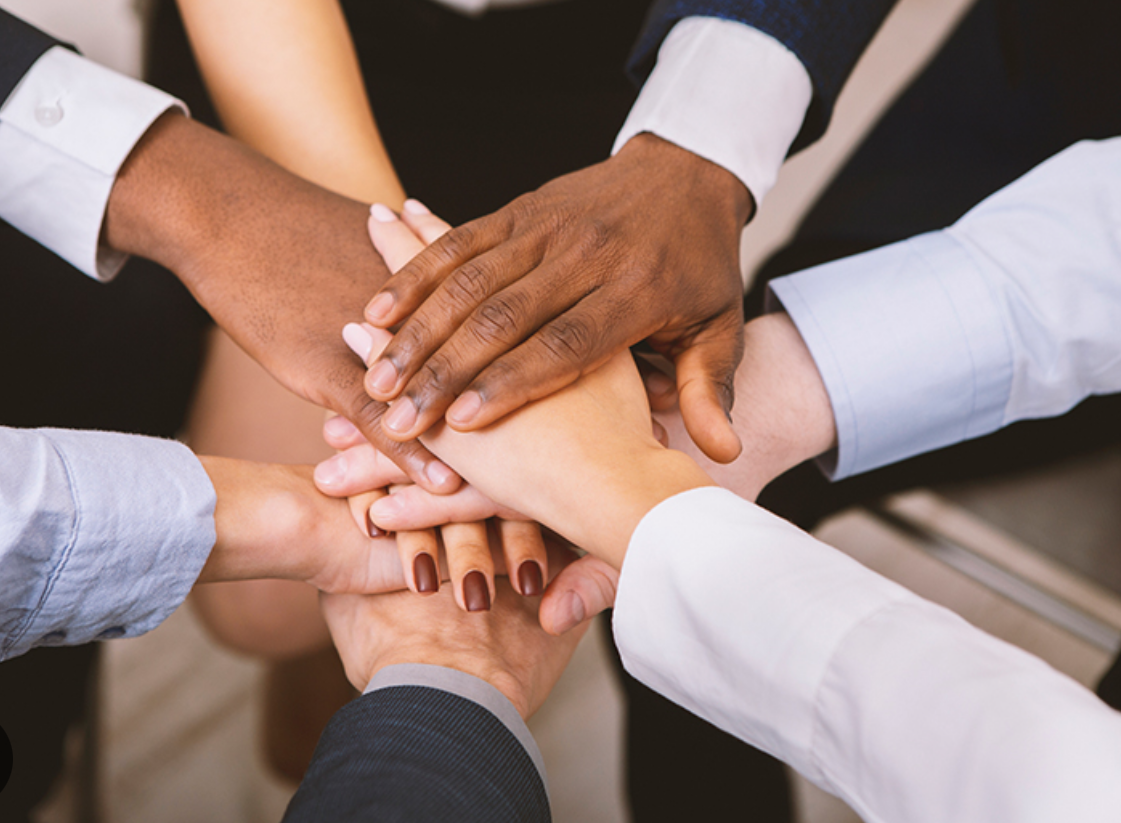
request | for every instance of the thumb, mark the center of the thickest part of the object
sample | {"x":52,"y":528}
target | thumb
{"x":706,"y":374}
{"x":581,"y":591}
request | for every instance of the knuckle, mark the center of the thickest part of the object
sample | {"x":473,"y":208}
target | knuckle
{"x":436,"y":377}
{"x":497,"y":320}
{"x":568,"y":339}
{"x":471,"y":283}
{"x":594,"y":239}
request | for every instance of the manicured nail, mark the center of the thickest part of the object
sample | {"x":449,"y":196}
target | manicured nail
{"x":570,"y":612}
{"x":416,"y":207}
{"x":382,"y":377}
{"x":402,"y":416}
{"x":439,"y":475}
{"x":475,"y":592}
{"x":332,"y":472}
{"x":339,"y":428}
{"x":373,"y":530}
{"x":382,"y":213}
{"x":424,"y":573}
{"x":359,"y":340}
{"x":379,"y":307}
{"x":465,"y":408}
{"x":529,"y":578}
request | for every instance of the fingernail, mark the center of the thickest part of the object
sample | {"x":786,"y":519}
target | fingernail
{"x":359,"y":340}
{"x":382,"y":213}
{"x":331,"y":472}
{"x":424,"y":573}
{"x":475,"y":592}
{"x":338,"y":427}
{"x":386,"y":509}
{"x":401,"y":417}
{"x":529,"y":578}
{"x":438,"y":474}
{"x":572,"y":609}
{"x":383,"y":377}
{"x":416,"y":207}
{"x":465,"y":408}
{"x":372,"y":529}
{"x":379,"y":307}
{"x":659,"y":384}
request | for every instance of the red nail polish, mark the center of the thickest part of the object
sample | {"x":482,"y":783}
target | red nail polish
{"x":529,"y":578}
{"x":475,"y":592}
{"x":373,"y":530}
{"x":424,"y":573}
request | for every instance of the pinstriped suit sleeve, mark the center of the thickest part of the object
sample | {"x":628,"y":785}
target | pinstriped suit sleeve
{"x":828,"y":36}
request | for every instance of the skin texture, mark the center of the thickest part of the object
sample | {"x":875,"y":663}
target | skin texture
{"x":514,"y":306}
{"x":279,"y":263}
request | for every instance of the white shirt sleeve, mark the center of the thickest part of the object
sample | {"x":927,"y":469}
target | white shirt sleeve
{"x":65,"y":131}
{"x":1012,"y":313}
{"x":728,"y":93}
{"x":888,"y":701}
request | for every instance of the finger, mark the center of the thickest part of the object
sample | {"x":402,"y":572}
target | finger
{"x":581,"y":590}
{"x":524,"y":549}
{"x":497,"y":326}
{"x":706,"y":373}
{"x":357,"y":470}
{"x":393,"y":239}
{"x":661,"y":390}
{"x":470,"y":564}
{"x":402,"y":293}
{"x":366,"y":341}
{"x":412,"y":507}
{"x":418,"y":551}
{"x":359,"y":505}
{"x":575,"y":343}
{"x":660,"y":433}
{"x":340,"y":433}
{"x":427,"y":226}
{"x":448,"y":307}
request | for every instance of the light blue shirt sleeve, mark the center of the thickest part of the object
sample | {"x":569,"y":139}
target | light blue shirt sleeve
{"x":1012,"y":313}
{"x":102,"y":535}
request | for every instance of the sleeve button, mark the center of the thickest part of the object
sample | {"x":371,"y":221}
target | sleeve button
{"x":48,"y":114}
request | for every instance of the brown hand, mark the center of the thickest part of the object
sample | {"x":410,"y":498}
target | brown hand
{"x":516,"y":305}
{"x":279,"y":263}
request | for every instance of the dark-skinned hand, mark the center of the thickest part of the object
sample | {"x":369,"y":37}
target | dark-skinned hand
{"x":516,"y":305}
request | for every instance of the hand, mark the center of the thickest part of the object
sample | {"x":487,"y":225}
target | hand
{"x":505,"y":647}
{"x":279,"y":263}
{"x":511,"y":307}
{"x":271,"y":522}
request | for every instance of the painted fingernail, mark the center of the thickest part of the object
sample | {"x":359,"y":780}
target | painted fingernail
{"x":424,"y":573}
{"x":331,"y":472}
{"x":401,"y":417}
{"x":475,"y":592}
{"x":372,"y":529}
{"x":379,"y":307}
{"x":570,"y":612}
{"x":416,"y":207}
{"x":359,"y":340}
{"x":382,"y":213}
{"x":529,"y":578}
{"x":465,"y":408}
{"x":438,"y":474}
{"x":382,"y":377}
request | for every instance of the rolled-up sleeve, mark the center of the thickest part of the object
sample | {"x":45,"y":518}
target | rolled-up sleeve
{"x":102,"y":535}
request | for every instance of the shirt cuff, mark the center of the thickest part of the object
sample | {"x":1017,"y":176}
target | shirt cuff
{"x":905,"y":340}
{"x":468,"y":687}
{"x":65,"y":131}
{"x":124,"y":525}
{"x":728,"y":93}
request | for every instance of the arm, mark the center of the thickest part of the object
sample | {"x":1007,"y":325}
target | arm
{"x":103,"y":535}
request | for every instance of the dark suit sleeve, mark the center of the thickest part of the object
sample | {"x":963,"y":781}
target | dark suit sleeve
{"x":828,"y":36}
{"x":20,"y":46}
{"x":413,"y":753}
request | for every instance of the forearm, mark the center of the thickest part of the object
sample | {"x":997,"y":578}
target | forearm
{"x":285,"y":79}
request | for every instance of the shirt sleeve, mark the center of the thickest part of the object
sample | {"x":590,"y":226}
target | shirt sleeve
{"x":65,"y":131}
{"x":888,"y":701}
{"x":102,"y":535}
{"x":728,"y":93}
{"x":1007,"y":315}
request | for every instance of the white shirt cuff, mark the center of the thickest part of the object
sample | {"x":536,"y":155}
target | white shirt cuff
{"x":909,"y":343}
{"x":65,"y":131}
{"x":728,"y":93}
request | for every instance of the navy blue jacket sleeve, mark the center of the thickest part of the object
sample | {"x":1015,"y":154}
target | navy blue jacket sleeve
{"x":409,"y":753}
{"x":20,"y":46}
{"x":828,"y":36}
